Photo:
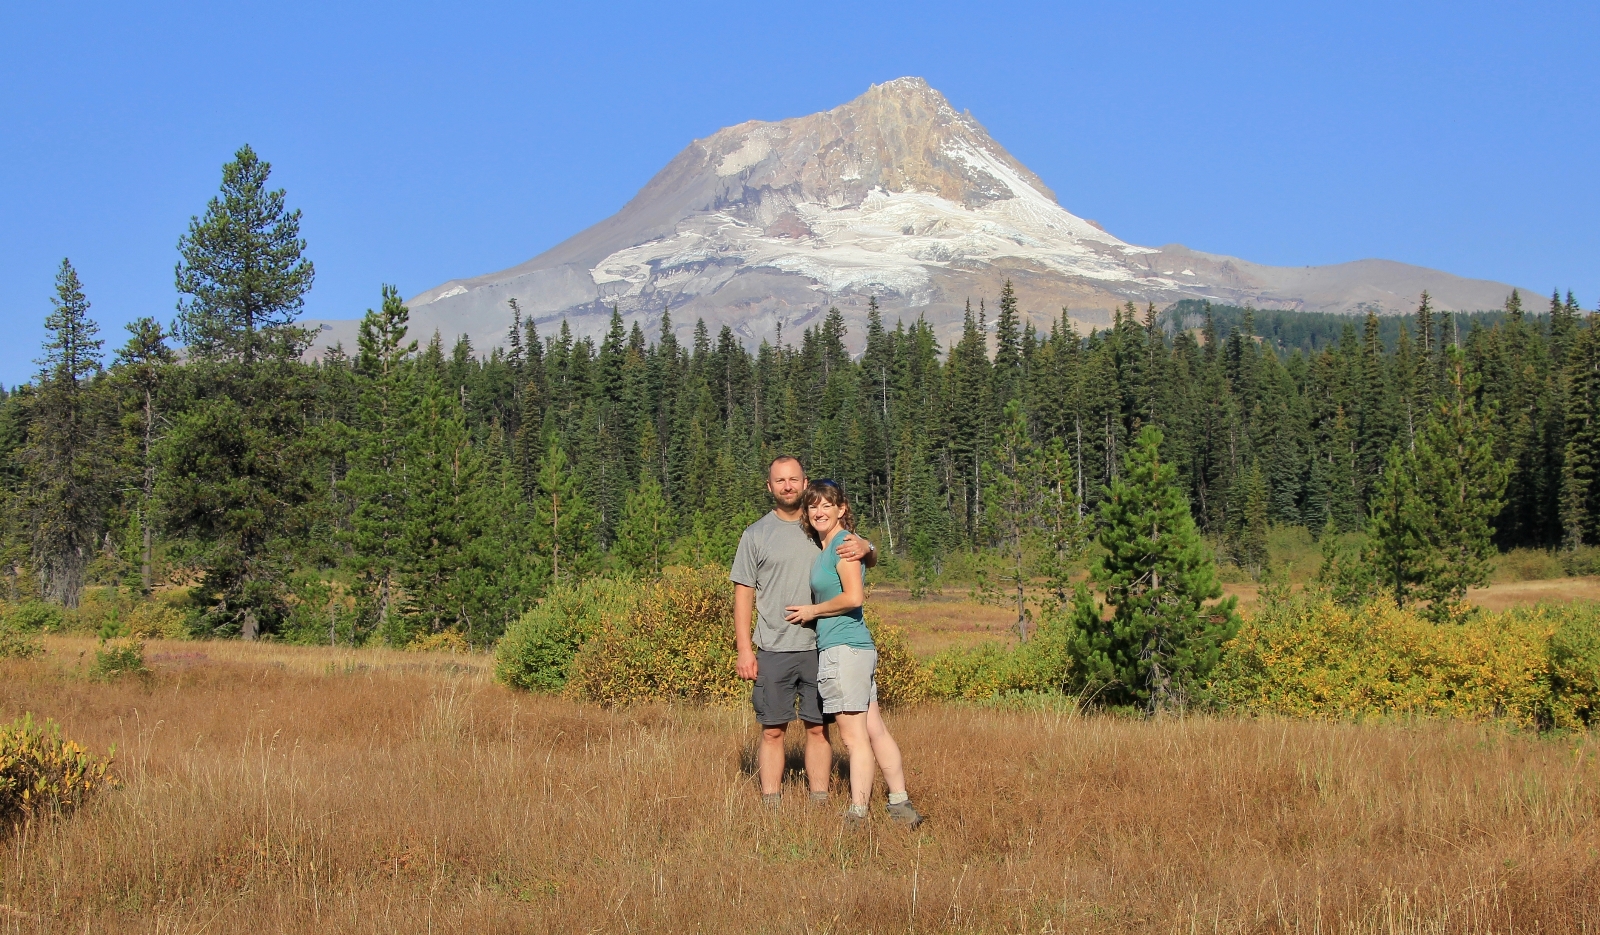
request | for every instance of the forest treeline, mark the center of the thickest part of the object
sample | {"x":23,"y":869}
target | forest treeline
{"x":411,"y":485}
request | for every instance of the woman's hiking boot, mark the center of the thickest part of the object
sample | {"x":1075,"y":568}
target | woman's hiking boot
{"x":904,"y":814}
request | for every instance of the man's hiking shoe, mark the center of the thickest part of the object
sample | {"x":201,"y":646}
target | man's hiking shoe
{"x":772,"y":800}
{"x":904,"y":814}
{"x":820,"y":798}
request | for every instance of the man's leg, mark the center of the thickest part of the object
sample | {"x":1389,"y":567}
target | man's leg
{"x":819,"y":758}
{"x":769,"y":758}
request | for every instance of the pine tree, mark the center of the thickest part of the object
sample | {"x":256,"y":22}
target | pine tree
{"x":66,"y":471}
{"x":1010,"y":499}
{"x":645,"y":529}
{"x":564,"y":525}
{"x":144,"y":365}
{"x":1580,"y":495}
{"x":376,"y":480}
{"x":1463,"y":484}
{"x":242,"y":273}
{"x":1162,"y":638}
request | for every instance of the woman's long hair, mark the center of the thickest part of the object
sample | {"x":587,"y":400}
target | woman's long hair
{"x":825,"y":491}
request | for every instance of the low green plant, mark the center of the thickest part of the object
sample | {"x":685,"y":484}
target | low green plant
{"x":42,"y":772}
{"x":675,"y":644}
{"x":1574,"y":661}
{"x":537,"y":650}
{"x":119,"y":658}
{"x":991,"y":671}
{"x":16,"y":643}
{"x":33,"y":617}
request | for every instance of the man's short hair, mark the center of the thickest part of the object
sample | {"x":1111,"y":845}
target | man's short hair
{"x":782,"y":458}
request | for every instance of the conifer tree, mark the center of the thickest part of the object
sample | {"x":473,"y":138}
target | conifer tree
{"x":1162,"y":638}
{"x":644,"y":532}
{"x":377,"y":480}
{"x":564,"y":525}
{"x":242,"y":272}
{"x":1580,"y":495}
{"x":66,"y":470}
{"x":144,"y":365}
{"x":1010,"y":496}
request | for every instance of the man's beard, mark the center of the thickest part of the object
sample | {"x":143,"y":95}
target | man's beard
{"x":789,"y":504}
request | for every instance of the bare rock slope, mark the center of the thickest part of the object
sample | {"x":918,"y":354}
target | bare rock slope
{"x":895,"y":194}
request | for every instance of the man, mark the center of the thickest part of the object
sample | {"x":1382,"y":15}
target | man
{"x":771,"y":571}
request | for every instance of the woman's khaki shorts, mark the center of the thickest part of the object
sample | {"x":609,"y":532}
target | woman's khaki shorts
{"x":846,"y":679}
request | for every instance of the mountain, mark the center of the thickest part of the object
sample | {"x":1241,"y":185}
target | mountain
{"x":895,"y":194}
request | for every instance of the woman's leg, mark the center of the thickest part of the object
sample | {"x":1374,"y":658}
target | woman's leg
{"x":885,"y":751}
{"x":853,"y":730}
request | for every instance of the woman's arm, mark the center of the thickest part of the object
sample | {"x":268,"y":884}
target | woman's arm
{"x":855,"y":594}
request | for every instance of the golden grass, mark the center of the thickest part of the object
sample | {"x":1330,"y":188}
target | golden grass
{"x":305,"y":790}
{"x":940,"y":621}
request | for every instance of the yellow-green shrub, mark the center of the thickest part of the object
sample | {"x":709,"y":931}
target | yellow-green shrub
{"x":537,"y":650}
{"x":117,"y":658}
{"x":1574,"y":660}
{"x":1311,"y":657}
{"x":676,"y":643}
{"x":32,"y":617}
{"x":902,"y":678}
{"x":156,"y":620}
{"x":41,"y":771}
{"x":16,"y":643}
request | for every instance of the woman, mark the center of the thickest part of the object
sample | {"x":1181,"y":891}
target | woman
{"x":847,"y":658}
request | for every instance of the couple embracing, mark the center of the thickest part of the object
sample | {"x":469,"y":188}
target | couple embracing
{"x":800,"y":572}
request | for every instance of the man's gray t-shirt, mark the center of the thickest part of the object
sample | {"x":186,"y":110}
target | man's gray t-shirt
{"x":775,"y":558}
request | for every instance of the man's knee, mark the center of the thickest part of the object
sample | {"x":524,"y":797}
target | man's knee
{"x":774,"y":734}
{"x":816,"y":731}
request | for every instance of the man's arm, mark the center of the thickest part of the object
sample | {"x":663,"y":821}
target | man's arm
{"x":856,"y":549}
{"x":744,"y":607}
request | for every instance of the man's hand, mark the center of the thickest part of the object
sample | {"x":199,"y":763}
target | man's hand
{"x":801,"y":613}
{"x":746,"y":666}
{"x":856,"y":549}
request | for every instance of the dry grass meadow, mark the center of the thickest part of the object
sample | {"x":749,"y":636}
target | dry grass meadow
{"x":277,"y":789}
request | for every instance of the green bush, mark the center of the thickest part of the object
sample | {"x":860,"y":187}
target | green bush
{"x":537,"y":650}
{"x":18,"y":644}
{"x":992,"y":671}
{"x":1583,"y":560}
{"x":1528,"y":565}
{"x":675,"y":644}
{"x":119,"y":658}
{"x":33,"y":617}
{"x":1574,"y":660}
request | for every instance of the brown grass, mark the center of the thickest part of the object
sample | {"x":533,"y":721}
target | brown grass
{"x":940,"y":621}
{"x":267,"y":790}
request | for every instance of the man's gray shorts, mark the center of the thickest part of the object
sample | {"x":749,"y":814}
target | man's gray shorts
{"x":781,"y":680}
{"x":847,"y":679}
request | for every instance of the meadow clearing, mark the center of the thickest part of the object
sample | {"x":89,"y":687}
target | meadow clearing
{"x":292,"y":789}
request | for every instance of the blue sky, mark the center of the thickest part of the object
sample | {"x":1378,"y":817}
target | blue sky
{"x":427,"y":142}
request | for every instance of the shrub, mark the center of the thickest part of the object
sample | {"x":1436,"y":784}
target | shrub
{"x":118,"y":658}
{"x":1574,"y":660}
{"x":537,"y":650}
{"x":33,"y":616}
{"x":156,"y":620}
{"x":1583,"y":560}
{"x":676,"y":644}
{"x":445,"y":641}
{"x":16,"y":643}
{"x":1529,"y":565}
{"x":991,"y":671}
{"x":40,"y":771}
{"x":1311,"y":657}
{"x":902,"y":678}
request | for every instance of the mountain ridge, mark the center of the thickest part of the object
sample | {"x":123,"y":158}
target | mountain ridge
{"x":763,"y":225}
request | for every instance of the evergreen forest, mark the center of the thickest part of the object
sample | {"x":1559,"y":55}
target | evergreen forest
{"x":414,"y":485}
